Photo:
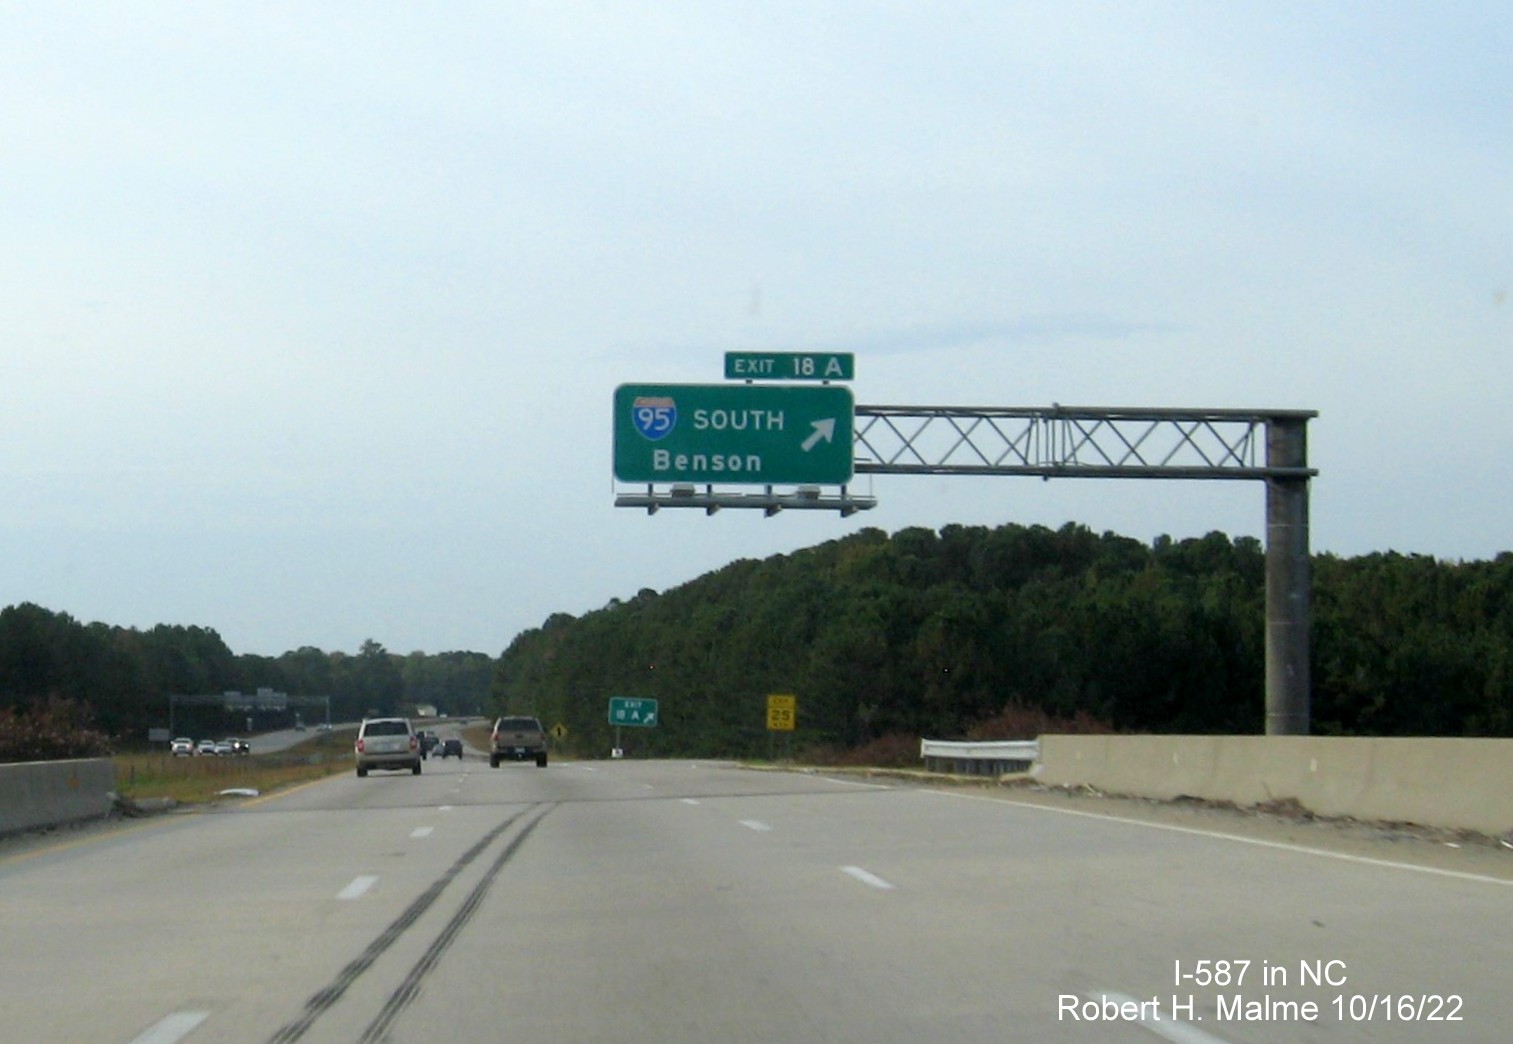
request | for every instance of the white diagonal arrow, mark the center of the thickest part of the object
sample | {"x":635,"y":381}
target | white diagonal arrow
{"x":823,"y":429}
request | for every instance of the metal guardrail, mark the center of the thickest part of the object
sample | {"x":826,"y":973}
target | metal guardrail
{"x":979,"y":758}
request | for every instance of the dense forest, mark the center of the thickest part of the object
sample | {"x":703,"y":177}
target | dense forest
{"x":966,"y":632}
{"x":974,"y":631}
{"x":61,"y":680}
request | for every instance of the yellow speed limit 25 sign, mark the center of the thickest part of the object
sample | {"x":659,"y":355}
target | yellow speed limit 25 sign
{"x":782,"y":712}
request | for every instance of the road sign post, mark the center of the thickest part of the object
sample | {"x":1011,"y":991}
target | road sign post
{"x":782,"y":716}
{"x":625,"y":710}
{"x":753,"y":434}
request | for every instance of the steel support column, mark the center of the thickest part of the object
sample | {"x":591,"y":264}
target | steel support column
{"x":1288,"y":582}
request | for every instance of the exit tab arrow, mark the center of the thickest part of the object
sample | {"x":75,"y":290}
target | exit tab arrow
{"x":823,"y":429}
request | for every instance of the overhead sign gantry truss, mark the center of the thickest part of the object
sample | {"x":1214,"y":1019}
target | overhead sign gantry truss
{"x":1269,"y":446}
{"x":1113,"y":442}
{"x":1045,"y":442}
{"x":264,"y":700}
{"x":1075,"y":442}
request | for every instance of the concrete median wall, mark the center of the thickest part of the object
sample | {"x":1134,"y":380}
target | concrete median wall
{"x":50,"y":793}
{"x":1462,"y":784}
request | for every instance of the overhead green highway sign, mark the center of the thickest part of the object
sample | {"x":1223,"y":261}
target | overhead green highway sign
{"x":624,"y":710}
{"x":790,"y":366}
{"x":757,"y":434}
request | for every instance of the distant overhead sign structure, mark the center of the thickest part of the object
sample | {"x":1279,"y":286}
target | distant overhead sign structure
{"x":790,"y":366}
{"x":754,"y":434}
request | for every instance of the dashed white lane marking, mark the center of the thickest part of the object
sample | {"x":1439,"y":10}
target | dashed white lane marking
{"x":173,"y":1028}
{"x":358,"y":886}
{"x":755,"y":824}
{"x":1170,"y":1028}
{"x":867,"y":878}
{"x":422,"y":831}
{"x":690,"y":801}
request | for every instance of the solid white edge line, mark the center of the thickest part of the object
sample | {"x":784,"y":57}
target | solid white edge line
{"x":172,"y":1028}
{"x":867,"y":878}
{"x":1283,"y":846}
{"x":1174,"y":1030}
{"x":854,"y":783}
{"x":357,"y":886}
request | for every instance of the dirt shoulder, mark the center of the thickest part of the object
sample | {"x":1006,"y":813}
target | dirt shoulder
{"x":1276,"y":823}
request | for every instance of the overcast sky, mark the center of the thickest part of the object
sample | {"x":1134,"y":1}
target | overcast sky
{"x":311,"y":314}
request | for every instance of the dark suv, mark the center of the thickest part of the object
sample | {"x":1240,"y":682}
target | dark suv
{"x":518,"y":739}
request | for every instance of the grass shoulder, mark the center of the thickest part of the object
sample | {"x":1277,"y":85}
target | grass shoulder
{"x":198,"y":780}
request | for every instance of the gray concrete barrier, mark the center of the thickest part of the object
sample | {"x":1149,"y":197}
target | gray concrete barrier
{"x":1464,"y":784}
{"x":50,"y":793}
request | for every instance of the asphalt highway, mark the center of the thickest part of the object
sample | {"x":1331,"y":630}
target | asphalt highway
{"x":697,"y":901}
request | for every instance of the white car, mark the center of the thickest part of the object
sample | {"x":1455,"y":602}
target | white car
{"x":182,"y":747}
{"x":205,"y":747}
{"x":387,"y":743}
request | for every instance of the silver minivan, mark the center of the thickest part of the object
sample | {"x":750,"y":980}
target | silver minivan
{"x":387,"y":743}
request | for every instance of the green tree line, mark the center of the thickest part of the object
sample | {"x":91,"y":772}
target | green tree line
{"x":959,"y":632}
{"x":117,"y":681}
{"x":938,"y":634}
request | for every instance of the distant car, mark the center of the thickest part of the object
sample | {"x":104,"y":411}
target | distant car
{"x":451,"y":748}
{"x":182,"y":747}
{"x":518,"y":739}
{"x":206,"y":747}
{"x":238,"y":746}
{"x":324,"y":726}
{"x":224,"y":749}
{"x":387,"y":743}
